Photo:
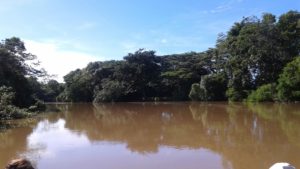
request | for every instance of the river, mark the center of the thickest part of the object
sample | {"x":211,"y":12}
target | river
{"x":166,"y":135}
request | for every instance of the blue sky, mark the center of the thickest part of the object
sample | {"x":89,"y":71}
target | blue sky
{"x":69,"y":34}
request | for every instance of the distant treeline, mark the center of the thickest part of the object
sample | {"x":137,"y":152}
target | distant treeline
{"x":256,"y":60}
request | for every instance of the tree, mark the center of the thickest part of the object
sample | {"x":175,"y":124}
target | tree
{"x":211,"y":88}
{"x":238,"y":41}
{"x":289,"y":26}
{"x":111,"y":91}
{"x":197,"y":93}
{"x":15,"y":70}
{"x":289,"y":82}
{"x":6,"y":96}
{"x":263,"y":93}
{"x":142,"y":70}
{"x":251,"y":55}
{"x":51,"y":91}
{"x":78,"y":87}
{"x":180,"y":71}
{"x":258,"y":50}
{"x":7,"y":109}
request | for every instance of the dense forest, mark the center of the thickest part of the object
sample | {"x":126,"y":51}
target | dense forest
{"x":21,"y":94}
{"x":256,"y":60}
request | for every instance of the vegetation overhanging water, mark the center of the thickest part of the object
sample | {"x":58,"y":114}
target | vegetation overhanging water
{"x":256,"y":60}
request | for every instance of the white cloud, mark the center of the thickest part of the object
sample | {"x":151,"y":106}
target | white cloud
{"x":224,"y":7}
{"x":221,"y":8}
{"x":58,"y":139}
{"x":58,"y":61}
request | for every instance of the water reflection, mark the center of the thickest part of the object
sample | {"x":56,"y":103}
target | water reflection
{"x":164,"y":135}
{"x":69,"y":149}
{"x":13,"y":136}
{"x":287,"y":116}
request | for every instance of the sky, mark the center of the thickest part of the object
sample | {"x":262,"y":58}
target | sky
{"x":68,"y":34}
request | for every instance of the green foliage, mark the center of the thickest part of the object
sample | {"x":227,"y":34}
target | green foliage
{"x":37,"y":107}
{"x":180,"y":71}
{"x":36,"y":88}
{"x":258,"y":50}
{"x":215,"y":86}
{"x":289,"y":82}
{"x":253,"y":53}
{"x":63,"y":97}
{"x":196,"y":93}
{"x":212,"y":88}
{"x":6,"y":95}
{"x":51,"y":90}
{"x":235,"y":95}
{"x":141,"y":71}
{"x":19,"y":88}
{"x":12,"y":112}
{"x":15,"y":72}
{"x":289,"y":26}
{"x":263,"y":93}
{"x":7,"y":110}
{"x":78,"y":86}
{"x":111,"y":91}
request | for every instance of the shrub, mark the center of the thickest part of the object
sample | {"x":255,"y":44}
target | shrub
{"x":6,"y":95}
{"x":196,"y":92}
{"x":234,"y":95}
{"x":289,"y":82}
{"x":263,"y":93}
{"x":10,"y":111}
{"x":111,"y":91}
{"x":211,"y":88}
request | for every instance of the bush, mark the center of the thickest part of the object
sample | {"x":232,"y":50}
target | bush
{"x":63,"y":97}
{"x":10,"y":111}
{"x":211,"y":88}
{"x":196,"y":92}
{"x":37,"y":107}
{"x":289,"y":82}
{"x":6,"y":95}
{"x":263,"y":93}
{"x":111,"y":91}
{"x":234,"y":95}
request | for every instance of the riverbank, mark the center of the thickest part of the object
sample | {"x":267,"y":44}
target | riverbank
{"x":9,"y":111}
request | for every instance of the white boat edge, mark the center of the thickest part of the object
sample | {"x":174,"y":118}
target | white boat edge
{"x":282,"y":165}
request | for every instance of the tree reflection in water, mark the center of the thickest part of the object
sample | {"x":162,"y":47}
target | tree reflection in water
{"x":238,"y":136}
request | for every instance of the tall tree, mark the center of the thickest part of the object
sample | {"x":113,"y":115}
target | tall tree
{"x":15,"y":70}
{"x":142,"y":70}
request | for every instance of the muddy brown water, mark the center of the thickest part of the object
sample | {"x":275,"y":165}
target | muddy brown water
{"x":181,"y":135}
